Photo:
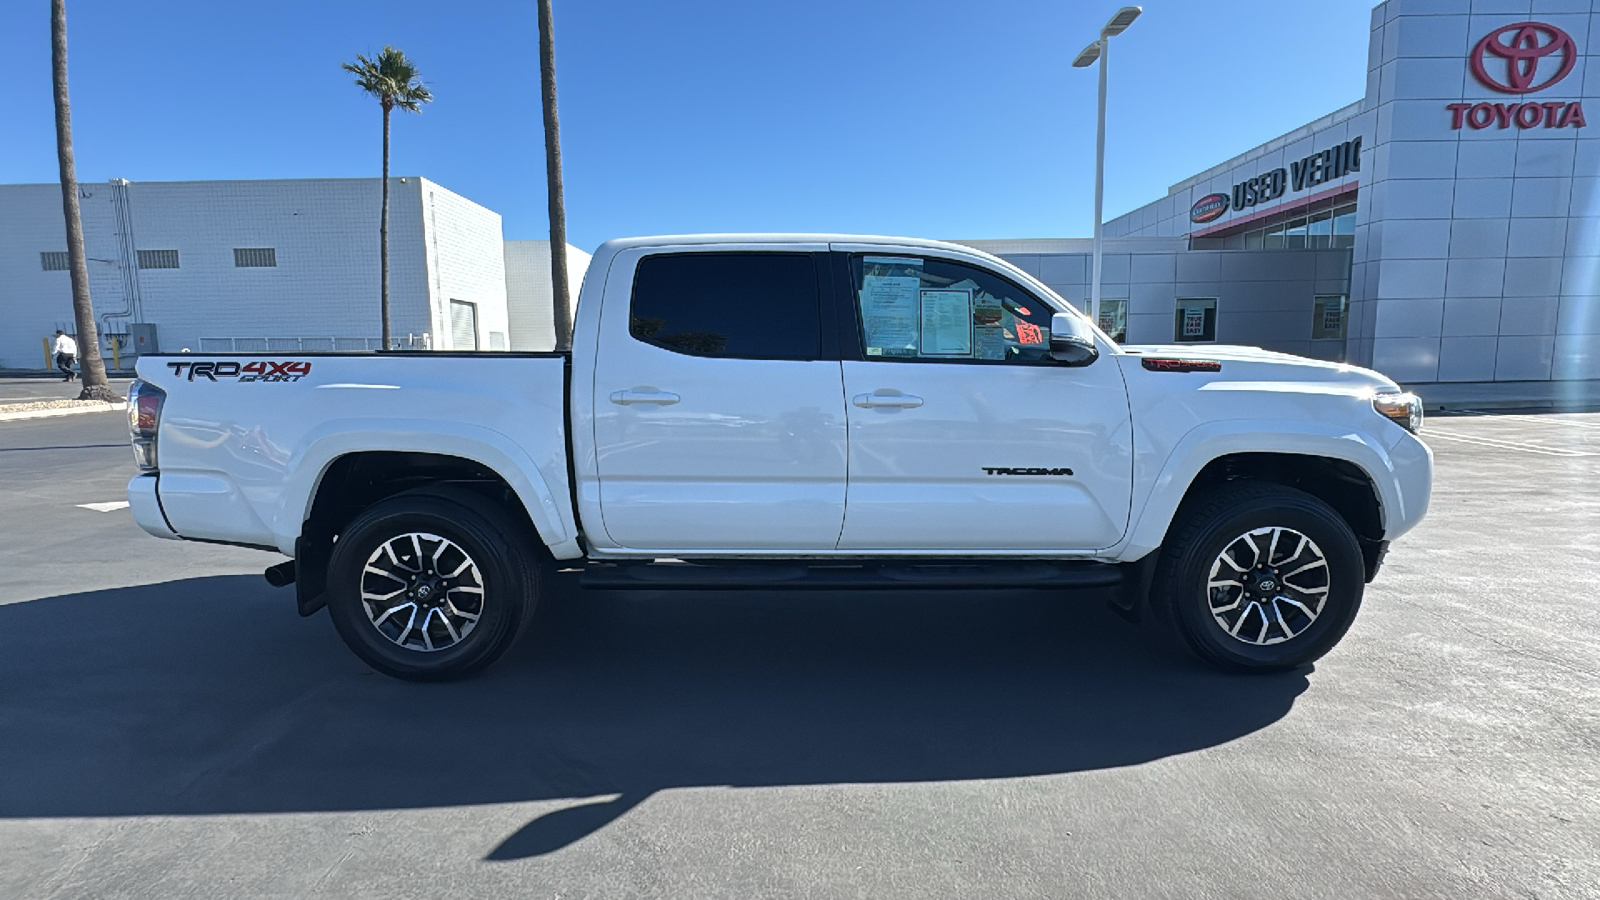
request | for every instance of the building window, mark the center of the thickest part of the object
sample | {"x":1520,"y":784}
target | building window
{"x":1319,"y":231}
{"x":1327,"y":317}
{"x":158,"y":259}
{"x":53,"y":261}
{"x":1328,"y":228}
{"x":1196,"y":321}
{"x":1294,"y":235}
{"x":252,"y":258}
{"x":1114,"y":319}
{"x":1344,"y":226}
{"x":497,"y":340}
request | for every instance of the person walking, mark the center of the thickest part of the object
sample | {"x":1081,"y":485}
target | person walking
{"x":66,"y":354}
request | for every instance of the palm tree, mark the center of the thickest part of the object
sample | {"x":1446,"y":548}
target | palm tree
{"x":95,"y":386}
{"x":395,"y":82}
{"x":552,"y":167}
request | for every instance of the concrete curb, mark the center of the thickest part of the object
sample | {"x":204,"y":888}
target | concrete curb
{"x":55,"y":375}
{"x":1532,"y":406}
{"x":60,"y":411}
{"x":1538,"y":396}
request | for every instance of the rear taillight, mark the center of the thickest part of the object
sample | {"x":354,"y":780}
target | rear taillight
{"x":144,"y":419}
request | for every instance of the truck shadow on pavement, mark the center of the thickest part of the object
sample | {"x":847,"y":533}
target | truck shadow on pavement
{"x":210,"y":696}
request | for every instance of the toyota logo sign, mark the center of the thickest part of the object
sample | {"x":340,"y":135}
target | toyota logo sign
{"x":1520,"y":52}
{"x":1521,"y":58}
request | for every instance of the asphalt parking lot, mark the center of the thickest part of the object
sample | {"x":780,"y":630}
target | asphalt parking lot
{"x":169,"y":727}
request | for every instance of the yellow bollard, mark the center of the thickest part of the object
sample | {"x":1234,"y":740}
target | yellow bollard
{"x":116,"y":354}
{"x":48,"y":362}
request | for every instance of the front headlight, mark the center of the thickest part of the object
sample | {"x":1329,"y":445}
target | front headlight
{"x":1403,"y":408}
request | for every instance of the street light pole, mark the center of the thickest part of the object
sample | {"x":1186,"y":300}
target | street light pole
{"x":1098,"y":51}
{"x":1099,"y":184}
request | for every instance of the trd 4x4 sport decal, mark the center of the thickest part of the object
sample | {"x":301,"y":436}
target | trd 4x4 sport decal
{"x":254,"y":370}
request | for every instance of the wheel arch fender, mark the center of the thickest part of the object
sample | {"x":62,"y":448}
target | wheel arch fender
{"x":546,"y":507}
{"x":1211,"y":441}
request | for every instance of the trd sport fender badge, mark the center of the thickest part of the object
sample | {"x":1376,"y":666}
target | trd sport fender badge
{"x":254,"y":370}
{"x":1180,"y":365}
{"x":1004,"y":470}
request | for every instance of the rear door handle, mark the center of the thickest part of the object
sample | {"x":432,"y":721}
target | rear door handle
{"x":628,"y":398}
{"x":890,"y":401}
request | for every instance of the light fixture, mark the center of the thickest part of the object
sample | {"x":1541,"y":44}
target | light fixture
{"x":1120,"y":22}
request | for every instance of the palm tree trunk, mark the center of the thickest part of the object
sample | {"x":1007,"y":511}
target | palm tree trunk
{"x":560,"y":298}
{"x":95,"y":386}
{"x":383,"y":232}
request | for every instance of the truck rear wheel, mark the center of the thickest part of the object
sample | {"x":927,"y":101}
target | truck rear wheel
{"x":430,"y":587}
{"x":1259,"y":577}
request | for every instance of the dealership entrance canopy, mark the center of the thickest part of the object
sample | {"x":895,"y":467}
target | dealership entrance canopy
{"x":1447,"y":225}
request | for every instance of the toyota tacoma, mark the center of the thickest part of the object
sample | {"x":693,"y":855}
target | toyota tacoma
{"x":792,"y":411}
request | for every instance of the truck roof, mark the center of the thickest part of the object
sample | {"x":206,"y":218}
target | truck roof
{"x":619,"y":244}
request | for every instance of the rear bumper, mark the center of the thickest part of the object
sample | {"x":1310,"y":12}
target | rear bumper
{"x":146,"y":507}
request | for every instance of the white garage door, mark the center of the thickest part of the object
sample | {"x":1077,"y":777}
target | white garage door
{"x":463,"y":325}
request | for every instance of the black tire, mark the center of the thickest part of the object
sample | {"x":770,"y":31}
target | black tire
{"x":499,"y":550}
{"x":1218,"y":521}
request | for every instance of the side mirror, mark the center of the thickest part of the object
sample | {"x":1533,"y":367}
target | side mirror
{"x":1072,"y":340}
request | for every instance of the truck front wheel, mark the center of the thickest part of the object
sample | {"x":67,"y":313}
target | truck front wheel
{"x":429,"y":587}
{"x":1260,"y":577}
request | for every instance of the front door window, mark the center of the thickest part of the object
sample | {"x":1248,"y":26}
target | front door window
{"x":919,"y":308}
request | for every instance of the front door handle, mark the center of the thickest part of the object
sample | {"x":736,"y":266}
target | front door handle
{"x":628,"y":398}
{"x":879,"y":399}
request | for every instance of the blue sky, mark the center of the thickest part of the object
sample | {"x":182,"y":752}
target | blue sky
{"x":931,"y":119}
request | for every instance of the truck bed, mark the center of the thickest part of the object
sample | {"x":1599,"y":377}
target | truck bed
{"x":249,"y":435}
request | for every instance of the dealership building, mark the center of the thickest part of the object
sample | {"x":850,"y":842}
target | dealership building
{"x":281,"y":265}
{"x":1444,"y":228}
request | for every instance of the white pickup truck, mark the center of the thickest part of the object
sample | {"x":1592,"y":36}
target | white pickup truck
{"x":792,"y":411}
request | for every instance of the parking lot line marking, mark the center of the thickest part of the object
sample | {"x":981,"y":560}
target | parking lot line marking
{"x":1509,"y":445}
{"x":110,"y":506}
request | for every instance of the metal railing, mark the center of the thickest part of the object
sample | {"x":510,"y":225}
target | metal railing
{"x":309,"y":344}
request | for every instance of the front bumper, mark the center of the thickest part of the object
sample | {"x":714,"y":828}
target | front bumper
{"x":1412,"y":463}
{"x":146,"y":507}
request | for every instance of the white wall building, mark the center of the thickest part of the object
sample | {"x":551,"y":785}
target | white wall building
{"x":255,"y":265}
{"x":529,"y":293}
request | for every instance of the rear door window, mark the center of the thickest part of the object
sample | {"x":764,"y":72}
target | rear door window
{"x":729,"y":305}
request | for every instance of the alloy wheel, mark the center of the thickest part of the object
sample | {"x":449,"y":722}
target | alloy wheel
{"x":1268,"y":585}
{"x":422,"y":591}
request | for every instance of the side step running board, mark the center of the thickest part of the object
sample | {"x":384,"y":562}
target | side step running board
{"x":1022,"y":573}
